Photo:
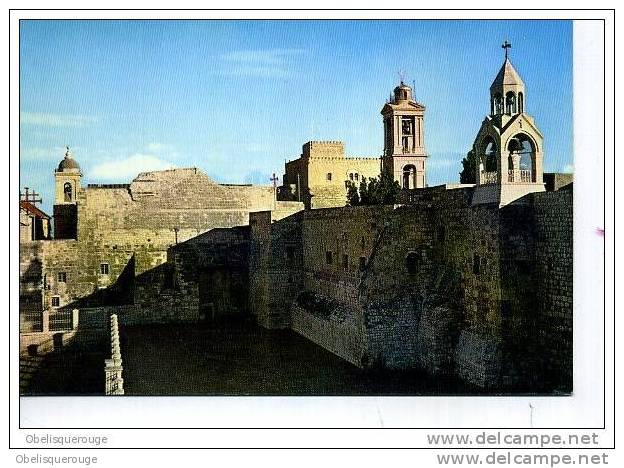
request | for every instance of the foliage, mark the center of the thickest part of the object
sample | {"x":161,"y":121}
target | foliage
{"x":353,"y":197}
{"x":382,"y":190}
{"x":468,"y":173}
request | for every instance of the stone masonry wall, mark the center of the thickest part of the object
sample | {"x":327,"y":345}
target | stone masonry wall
{"x":321,"y":172}
{"x":554,"y":253}
{"x":275,"y":263}
{"x":126,"y":231}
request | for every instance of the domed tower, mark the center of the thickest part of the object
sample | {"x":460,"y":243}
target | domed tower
{"x":508,"y":147}
{"x":404,"y":138}
{"x":67,"y":177}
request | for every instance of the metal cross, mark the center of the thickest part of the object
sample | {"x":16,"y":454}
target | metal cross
{"x":32,"y":197}
{"x":274,"y":179}
{"x":506,"y":46}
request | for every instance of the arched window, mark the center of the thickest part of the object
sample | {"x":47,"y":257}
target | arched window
{"x":409,"y":176}
{"x":67,"y":190}
{"x":520,"y":103}
{"x":510,"y":103}
{"x":522,"y":154}
{"x":411,"y":262}
{"x":498,"y":103}
{"x":489,"y":155}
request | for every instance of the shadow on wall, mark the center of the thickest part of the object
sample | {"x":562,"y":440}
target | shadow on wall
{"x":205,"y":278}
{"x":63,"y":351}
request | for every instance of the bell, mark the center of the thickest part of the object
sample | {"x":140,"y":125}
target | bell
{"x":514,"y":145}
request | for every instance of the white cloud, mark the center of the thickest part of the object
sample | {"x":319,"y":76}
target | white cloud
{"x":127,"y":169}
{"x":56,"y":120}
{"x":263,"y":63}
{"x":568,"y":168}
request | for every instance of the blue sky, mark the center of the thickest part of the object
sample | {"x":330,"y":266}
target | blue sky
{"x":237,"y":98}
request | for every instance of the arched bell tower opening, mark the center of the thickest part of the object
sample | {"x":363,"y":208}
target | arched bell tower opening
{"x":409,"y":177}
{"x":521,"y":160}
{"x":68,"y":192}
{"x":509,"y":144}
{"x":510,"y":103}
{"x":488,"y":161}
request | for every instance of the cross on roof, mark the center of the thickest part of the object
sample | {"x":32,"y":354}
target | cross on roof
{"x":274,"y":179}
{"x":31,"y":197}
{"x":506,"y":46}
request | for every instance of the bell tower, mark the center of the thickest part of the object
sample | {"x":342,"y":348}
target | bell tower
{"x":404,"y":153}
{"x":67,"y":184}
{"x":508,"y":147}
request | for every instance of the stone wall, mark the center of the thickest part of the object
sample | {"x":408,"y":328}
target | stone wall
{"x":438,"y":284}
{"x":554,"y":247}
{"x":318,"y":176}
{"x":275,"y":264}
{"x":338,"y":330}
{"x":123,"y":232}
{"x":554,"y":181}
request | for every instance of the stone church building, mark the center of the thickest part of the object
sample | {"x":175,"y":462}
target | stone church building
{"x":472,"y":281}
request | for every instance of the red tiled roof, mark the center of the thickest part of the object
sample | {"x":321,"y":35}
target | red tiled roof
{"x":32,"y":209}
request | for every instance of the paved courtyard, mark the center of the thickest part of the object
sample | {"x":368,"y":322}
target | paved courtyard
{"x":243,"y":359}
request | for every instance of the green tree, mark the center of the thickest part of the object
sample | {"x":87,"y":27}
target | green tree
{"x":364,"y":197}
{"x":388,"y":189}
{"x":353,"y":197}
{"x":468,"y":173}
{"x":382,"y":190}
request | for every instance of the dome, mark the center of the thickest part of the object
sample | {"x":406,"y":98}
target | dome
{"x":402,"y":92}
{"x":68,"y":164}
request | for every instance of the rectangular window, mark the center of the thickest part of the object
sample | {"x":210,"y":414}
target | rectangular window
{"x":345,"y":261}
{"x":56,"y":301}
{"x":103,"y":268}
{"x":362,"y":263}
{"x":328,"y":257}
{"x":290,"y":252}
{"x":329,"y":176}
{"x":476,"y":265}
{"x":62,"y":277}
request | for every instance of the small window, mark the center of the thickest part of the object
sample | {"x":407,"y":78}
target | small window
{"x":357,"y":176}
{"x":103,"y":268}
{"x":411,"y":262}
{"x":363,"y":242}
{"x":56,"y":301}
{"x":329,"y":176}
{"x":62,"y":277}
{"x":362,"y":263}
{"x":345,"y":262}
{"x":328,"y":257}
{"x":290,"y":252}
{"x":476,"y":265}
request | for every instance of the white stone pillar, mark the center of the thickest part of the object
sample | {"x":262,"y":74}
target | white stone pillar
{"x":45,"y":321}
{"x":75,"y":318}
